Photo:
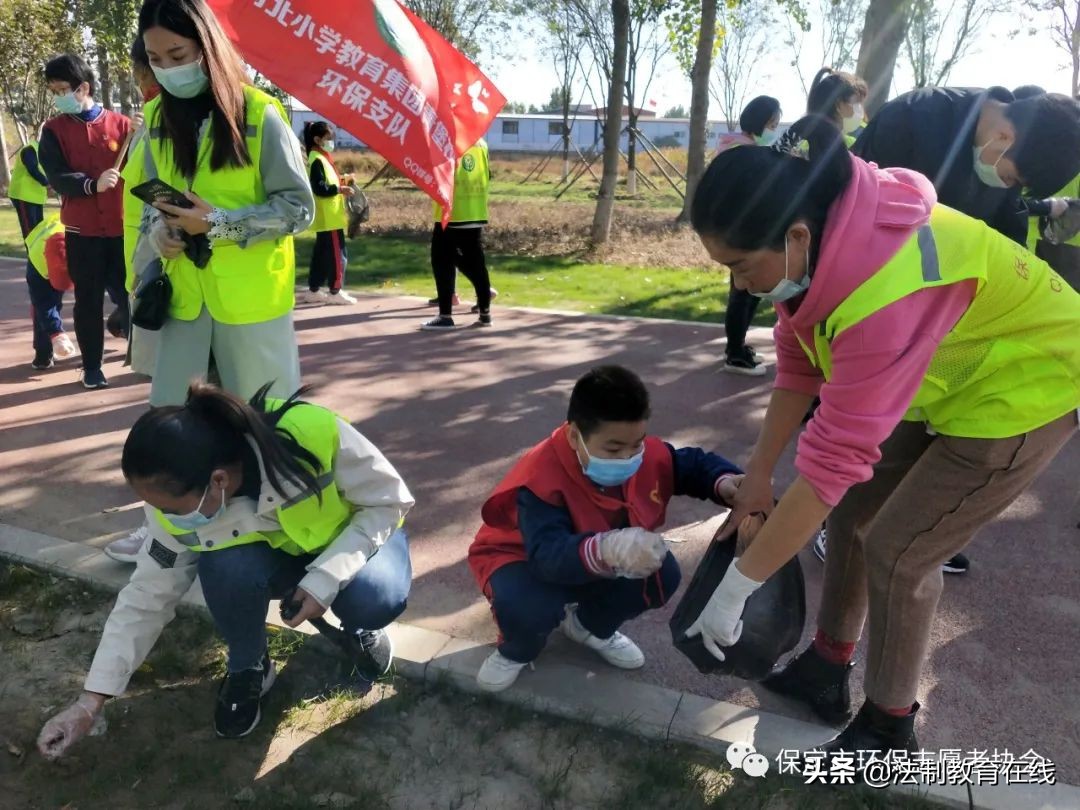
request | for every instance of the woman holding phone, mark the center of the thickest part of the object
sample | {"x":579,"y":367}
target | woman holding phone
{"x":229,"y":256}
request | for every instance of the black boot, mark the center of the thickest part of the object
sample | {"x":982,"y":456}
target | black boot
{"x":874,"y":730}
{"x":820,"y":684}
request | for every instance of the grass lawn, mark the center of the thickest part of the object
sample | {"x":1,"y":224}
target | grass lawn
{"x":401,"y":746}
{"x":400,"y":265}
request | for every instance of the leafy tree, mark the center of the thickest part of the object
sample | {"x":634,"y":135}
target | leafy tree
{"x":678,"y":111}
{"x":30,"y":32}
{"x":939,"y":37}
{"x":746,"y":35}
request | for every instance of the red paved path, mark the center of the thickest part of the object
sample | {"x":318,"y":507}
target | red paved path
{"x":452,"y":411}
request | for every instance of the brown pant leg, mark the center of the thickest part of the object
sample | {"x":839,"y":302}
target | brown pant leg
{"x":956,"y":487}
{"x":843,"y":593}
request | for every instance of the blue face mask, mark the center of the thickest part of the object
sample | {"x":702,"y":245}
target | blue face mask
{"x":788,"y":289}
{"x":767,"y":138}
{"x":987,"y":172}
{"x":67,"y":104}
{"x":611,"y":472}
{"x":183,"y":81}
{"x":195,"y":519}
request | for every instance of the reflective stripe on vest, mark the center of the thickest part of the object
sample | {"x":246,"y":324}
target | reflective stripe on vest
{"x":35,"y":243}
{"x":23,"y":186}
{"x":471,"y":183}
{"x":239,"y":285}
{"x":330,"y":213}
{"x":307,"y":525}
{"x":1012,"y":362}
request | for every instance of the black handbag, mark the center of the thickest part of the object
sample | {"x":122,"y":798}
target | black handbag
{"x":150,"y":307}
{"x":773,"y":617}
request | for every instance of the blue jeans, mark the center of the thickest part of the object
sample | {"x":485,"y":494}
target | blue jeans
{"x":527,"y":608}
{"x":45,"y":306}
{"x":239,"y":582}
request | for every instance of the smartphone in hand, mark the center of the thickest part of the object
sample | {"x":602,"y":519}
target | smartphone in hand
{"x":157,"y":190}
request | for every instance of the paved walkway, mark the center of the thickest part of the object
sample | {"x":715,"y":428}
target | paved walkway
{"x":452,"y":411}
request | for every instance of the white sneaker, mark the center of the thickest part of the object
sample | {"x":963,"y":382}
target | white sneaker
{"x":619,"y":651}
{"x":820,"y":539}
{"x":498,"y":673}
{"x":126,"y":549}
{"x":309,"y":297}
{"x":340,"y":298}
{"x":63,"y":348}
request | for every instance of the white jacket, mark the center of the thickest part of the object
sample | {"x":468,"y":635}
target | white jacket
{"x":166,"y":567}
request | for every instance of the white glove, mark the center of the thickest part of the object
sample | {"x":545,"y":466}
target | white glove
{"x":720,"y":623}
{"x":68,"y":727}
{"x":633,"y":553}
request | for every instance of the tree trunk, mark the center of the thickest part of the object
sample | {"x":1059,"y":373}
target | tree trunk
{"x":631,"y":155}
{"x":605,"y":201}
{"x":5,"y":170}
{"x":566,"y":134}
{"x":123,"y":87}
{"x":883,"y":33}
{"x":104,"y":78}
{"x":699,"y":105}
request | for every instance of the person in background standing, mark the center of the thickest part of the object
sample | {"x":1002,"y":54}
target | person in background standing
{"x":28,"y":191}
{"x":79,"y":150}
{"x":758,"y":125}
{"x":460,"y":245}
{"x":329,"y":256}
{"x":838,"y":96}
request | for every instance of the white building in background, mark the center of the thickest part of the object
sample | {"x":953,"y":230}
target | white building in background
{"x":539,"y":133}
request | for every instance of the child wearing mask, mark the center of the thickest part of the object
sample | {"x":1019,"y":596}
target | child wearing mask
{"x":575,"y":521}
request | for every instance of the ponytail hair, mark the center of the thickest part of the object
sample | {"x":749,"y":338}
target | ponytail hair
{"x":831,"y":88}
{"x":749,"y":197}
{"x":178,"y":447}
{"x":313,"y":130}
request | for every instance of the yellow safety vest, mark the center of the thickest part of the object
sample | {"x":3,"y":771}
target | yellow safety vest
{"x":35,"y":243}
{"x":307,"y":525}
{"x":24,"y":187}
{"x":1012,"y":362}
{"x":134,"y":174}
{"x":330,"y":213}
{"x":239,"y":285}
{"x":471,"y":183}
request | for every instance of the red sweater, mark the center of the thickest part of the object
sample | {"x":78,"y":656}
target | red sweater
{"x":89,"y":148}
{"x":552,"y":472}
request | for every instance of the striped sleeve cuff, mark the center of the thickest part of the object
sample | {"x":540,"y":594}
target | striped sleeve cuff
{"x":88,"y":186}
{"x":589,"y":551}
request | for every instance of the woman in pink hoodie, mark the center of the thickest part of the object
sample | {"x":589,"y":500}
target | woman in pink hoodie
{"x":948,"y":369}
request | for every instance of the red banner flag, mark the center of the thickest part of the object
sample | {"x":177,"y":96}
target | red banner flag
{"x":377,"y":70}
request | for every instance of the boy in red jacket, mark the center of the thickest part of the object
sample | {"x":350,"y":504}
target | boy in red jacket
{"x":574,"y":523}
{"x":79,"y":149}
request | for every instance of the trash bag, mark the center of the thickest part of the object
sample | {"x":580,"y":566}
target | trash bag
{"x":773,"y":618}
{"x":359,"y":212}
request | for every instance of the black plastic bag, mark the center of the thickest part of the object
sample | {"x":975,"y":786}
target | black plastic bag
{"x":773,"y":618}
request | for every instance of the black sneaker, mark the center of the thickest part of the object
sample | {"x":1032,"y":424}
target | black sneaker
{"x":373,"y":655}
{"x":744,"y":363}
{"x":42,"y":362}
{"x":483,"y":320}
{"x":93,"y":379}
{"x":958,"y":564}
{"x":820,"y":539}
{"x":443,"y":323}
{"x":238,"y":708}
{"x":820,"y":684}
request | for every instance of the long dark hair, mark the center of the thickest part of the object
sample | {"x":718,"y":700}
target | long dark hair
{"x":194,"y":20}
{"x":177,"y":447}
{"x":313,"y":130}
{"x":829,"y":89}
{"x":750,"y":196}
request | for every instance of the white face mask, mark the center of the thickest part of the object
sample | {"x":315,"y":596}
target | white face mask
{"x":767,"y":138}
{"x":786,"y":289}
{"x":987,"y":172}
{"x":328,"y":146}
{"x":855,"y":120}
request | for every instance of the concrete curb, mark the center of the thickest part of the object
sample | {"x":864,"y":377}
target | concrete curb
{"x":563,"y":689}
